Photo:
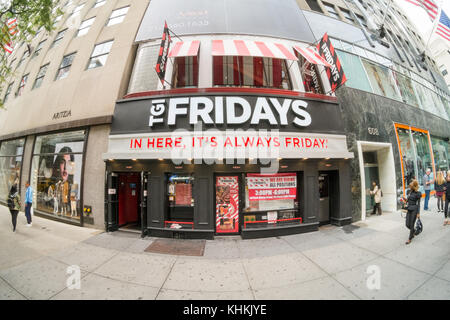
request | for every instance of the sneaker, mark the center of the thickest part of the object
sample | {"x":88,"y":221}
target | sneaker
{"x":29,"y":224}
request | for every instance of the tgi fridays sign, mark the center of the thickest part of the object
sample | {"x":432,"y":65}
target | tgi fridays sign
{"x":231,"y":110}
{"x":335,"y":74}
{"x":281,"y":186}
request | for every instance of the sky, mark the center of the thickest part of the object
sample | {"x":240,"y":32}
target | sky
{"x":420,"y":18}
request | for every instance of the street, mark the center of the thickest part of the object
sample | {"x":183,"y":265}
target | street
{"x":365,"y":260}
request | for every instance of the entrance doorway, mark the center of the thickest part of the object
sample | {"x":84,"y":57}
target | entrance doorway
{"x":126,"y":201}
{"x":227,"y":204}
{"x":376,"y":162}
{"x":371,"y":175}
{"x":328,"y":195}
{"x":129,"y":201}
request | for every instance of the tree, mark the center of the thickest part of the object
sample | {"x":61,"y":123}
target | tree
{"x":31,"y":16}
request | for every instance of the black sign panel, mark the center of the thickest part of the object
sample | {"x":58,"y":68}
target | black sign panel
{"x":226,"y":111}
{"x":277,"y":18}
{"x":335,"y":73}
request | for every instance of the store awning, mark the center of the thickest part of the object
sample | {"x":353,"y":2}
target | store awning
{"x":185,"y":49}
{"x":312,"y":56}
{"x":251,"y":49}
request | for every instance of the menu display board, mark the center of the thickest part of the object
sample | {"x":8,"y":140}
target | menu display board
{"x":183,"y":194}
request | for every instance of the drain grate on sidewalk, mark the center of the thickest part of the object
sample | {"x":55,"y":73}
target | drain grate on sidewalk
{"x":177,"y":247}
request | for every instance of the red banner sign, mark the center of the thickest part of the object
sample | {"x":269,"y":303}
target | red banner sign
{"x":227,"y":204}
{"x":281,"y":186}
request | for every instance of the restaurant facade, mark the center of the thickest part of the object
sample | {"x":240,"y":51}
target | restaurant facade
{"x":240,"y":130}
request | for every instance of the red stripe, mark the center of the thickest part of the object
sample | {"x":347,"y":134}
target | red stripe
{"x":444,"y":30}
{"x":319,"y":58}
{"x":176,"y":49}
{"x":305,"y":54}
{"x":264,"y":50}
{"x":193,"y":49}
{"x":212,"y":91}
{"x":241,"y":48}
{"x":442,"y":35}
{"x":413,"y":2}
{"x":218,"y":48}
{"x":288,"y":54}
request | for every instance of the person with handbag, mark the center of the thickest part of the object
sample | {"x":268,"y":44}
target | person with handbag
{"x":439,"y":187}
{"x":413,"y":205}
{"x":377,"y":194}
{"x":447,"y":194}
{"x":14,"y":205}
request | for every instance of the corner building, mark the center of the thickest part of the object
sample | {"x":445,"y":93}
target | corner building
{"x":243,"y":136}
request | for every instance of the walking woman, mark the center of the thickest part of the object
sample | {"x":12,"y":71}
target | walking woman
{"x":439,"y":187}
{"x":447,"y":195}
{"x":413,"y":202}
{"x":377,"y":194}
{"x":15,"y":205}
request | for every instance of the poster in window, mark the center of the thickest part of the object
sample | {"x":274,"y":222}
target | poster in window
{"x":183,"y":194}
{"x":227,"y":204}
{"x":281,"y":186}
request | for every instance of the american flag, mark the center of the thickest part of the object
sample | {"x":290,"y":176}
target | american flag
{"x":11,"y":26}
{"x":430,"y":6}
{"x":443,"y":28}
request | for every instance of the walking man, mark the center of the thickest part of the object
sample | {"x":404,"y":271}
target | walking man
{"x":28,"y":203}
{"x":427,"y":182}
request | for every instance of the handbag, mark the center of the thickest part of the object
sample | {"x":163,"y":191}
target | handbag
{"x":418,"y":228}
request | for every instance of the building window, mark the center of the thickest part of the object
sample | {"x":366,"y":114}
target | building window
{"x":331,"y":10}
{"x":144,"y":77}
{"x":85,"y":26}
{"x":23,"y":82}
{"x":347,"y":15}
{"x":99,"y":3}
{"x":100,"y":55}
{"x":362,"y":20}
{"x":313,"y":5}
{"x":8,"y":91}
{"x":64,"y":68}
{"x":117,"y":16}
{"x":77,"y":10}
{"x":271,"y":199}
{"x":310,"y":76}
{"x":40,"y":76}
{"x":56,"y":174}
{"x":180,"y":200}
{"x":250,"y":72}
{"x":11,"y":153}
{"x":185,"y":72}
{"x":440,"y":154}
{"x":58,"y":38}
{"x":24,"y":56}
{"x":39,"y":48}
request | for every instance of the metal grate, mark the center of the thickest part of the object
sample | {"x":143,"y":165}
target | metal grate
{"x":177,"y":247}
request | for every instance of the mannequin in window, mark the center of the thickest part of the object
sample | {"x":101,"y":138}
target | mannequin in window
{"x":63,"y":169}
{"x":73,"y":200}
{"x":56,"y":198}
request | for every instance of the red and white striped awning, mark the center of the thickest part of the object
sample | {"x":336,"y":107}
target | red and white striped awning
{"x":185,"y":49}
{"x":252,"y":49}
{"x":312,"y":56}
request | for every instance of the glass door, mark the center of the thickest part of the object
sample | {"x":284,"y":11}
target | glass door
{"x":371,"y":175}
{"x":111,"y":202}
{"x":227,"y":204}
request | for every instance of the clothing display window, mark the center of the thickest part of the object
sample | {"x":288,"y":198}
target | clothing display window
{"x":180,"y":200}
{"x":406,"y":89}
{"x":11,"y":153}
{"x":56,"y":174}
{"x":271,"y":199}
{"x":250,"y":72}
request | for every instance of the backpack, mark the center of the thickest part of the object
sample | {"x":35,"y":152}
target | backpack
{"x":10,"y":203}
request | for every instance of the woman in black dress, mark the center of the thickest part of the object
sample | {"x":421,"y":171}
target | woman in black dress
{"x":413,"y":202}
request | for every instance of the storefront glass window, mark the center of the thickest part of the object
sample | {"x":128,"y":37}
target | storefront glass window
{"x":423,"y":153}
{"x":425,"y":100}
{"x":56,"y":174}
{"x":440,"y":153}
{"x":408,"y":156}
{"x":10,"y":165}
{"x":180,"y":200}
{"x":406,"y":89}
{"x":185,"y":72}
{"x":382,"y":80}
{"x":250,"y":72}
{"x":271,"y":199}
{"x":354,"y":70}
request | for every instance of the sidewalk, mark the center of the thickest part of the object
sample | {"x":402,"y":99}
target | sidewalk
{"x":329,"y":264}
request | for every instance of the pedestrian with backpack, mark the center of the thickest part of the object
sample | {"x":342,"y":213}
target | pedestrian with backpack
{"x":14,"y":205}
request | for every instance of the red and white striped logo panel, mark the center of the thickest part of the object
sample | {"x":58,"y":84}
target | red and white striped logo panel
{"x":312,"y":56}
{"x":185,"y":49}
{"x":252,"y":49}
